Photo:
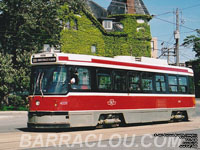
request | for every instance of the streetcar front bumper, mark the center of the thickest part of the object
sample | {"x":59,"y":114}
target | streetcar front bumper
{"x":44,"y":119}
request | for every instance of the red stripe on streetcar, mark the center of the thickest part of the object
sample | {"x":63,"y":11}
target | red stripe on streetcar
{"x":138,"y":65}
{"x":63,"y":58}
{"x":83,"y":103}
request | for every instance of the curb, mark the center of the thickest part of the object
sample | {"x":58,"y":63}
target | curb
{"x":197,"y":102}
{"x":13,"y":112}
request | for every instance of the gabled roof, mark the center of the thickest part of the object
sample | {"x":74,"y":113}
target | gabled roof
{"x":97,"y":14}
{"x":121,"y":6}
{"x":141,"y":8}
{"x":97,"y":10}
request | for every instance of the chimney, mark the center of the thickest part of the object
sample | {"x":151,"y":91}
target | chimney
{"x":131,"y":6}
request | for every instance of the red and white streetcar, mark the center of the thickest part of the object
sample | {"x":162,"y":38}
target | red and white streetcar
{"x":70,"y":90}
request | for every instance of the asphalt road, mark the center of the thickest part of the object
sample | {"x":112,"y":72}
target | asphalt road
{"x":14,"y":135}
{"x":137,"y":143}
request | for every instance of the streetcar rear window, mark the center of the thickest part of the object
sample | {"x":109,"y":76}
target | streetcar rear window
{"x":182,"y":84}
{"x":191,"y":85}
{"x":160,"y":83}
{"x":173,"y":84}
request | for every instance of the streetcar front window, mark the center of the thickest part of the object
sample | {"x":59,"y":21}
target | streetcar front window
{"x":49,"y":80}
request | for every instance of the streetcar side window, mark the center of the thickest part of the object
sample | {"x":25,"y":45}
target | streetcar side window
{"x":191,"y":85}
{"x":173,"y":84}
{"x":147,"y":82}
{"x":80,"y":78}
{"x":182,"y":84}
{"x":119,"y":81}
{"x":104,"y":80}
{"x":160,"y":83}
{"x":134,"y":82}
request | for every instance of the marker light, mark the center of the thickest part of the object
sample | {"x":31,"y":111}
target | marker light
{"x":37,"y":103}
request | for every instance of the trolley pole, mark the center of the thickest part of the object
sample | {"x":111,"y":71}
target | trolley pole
{"x":177,"y":37}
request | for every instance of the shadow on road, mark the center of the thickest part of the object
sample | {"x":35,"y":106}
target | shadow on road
{"x":56,"y":130}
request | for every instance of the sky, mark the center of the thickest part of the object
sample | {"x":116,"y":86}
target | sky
{"x":163,"y":24}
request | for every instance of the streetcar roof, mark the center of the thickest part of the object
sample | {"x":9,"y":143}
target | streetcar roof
{"x":118,"y":62}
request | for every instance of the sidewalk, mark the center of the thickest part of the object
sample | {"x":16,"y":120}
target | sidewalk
{"x":198,"y":101}
{"x":13,"y":112}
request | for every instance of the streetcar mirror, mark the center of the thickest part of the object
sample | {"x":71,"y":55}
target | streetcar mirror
{"x":73,"y":80}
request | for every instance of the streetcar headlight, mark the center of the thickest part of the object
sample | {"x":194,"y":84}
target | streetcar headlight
{"x":37,"y":103}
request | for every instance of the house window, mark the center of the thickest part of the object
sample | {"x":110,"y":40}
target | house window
{"x":68,"y":25}
{"x":140,"y":28}
{"x":140,"y":21}
{"x":152,"y":45}
{"x":75,"y":27}
{"x":108,"y":24}
{"x":93,"y":49}
{"x":117,"y":26}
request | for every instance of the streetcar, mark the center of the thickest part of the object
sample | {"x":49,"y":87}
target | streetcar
{"x":71,"y":90}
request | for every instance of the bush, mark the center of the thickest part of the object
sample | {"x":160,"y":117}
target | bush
{"x":16,"y":102}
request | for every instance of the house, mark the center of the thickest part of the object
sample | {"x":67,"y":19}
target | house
{"x":154,"y":47}
{"x":122,"y":29}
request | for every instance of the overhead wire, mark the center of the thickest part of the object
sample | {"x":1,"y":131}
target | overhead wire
{"x":174,"y":23}
{"x":189,"y":7}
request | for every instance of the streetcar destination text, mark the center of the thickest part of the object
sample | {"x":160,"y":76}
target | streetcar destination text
{"x":46,"y":59}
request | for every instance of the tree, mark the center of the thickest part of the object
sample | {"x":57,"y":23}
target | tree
{"x":193,"y":41}
{"x":7,"y":74}
{"x":68,"y":10}
{"x":25,"y":26}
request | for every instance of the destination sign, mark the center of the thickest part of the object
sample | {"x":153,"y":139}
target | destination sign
{"x":44,"y":59}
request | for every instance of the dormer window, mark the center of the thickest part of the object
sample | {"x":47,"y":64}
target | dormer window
{"x":140,"y":21}
{"x":108,"y":24}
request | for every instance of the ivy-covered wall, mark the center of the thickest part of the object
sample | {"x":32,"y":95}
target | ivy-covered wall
{"x":80,"y":40}
{"x":135,"y":43}
{"x":89,"y":33}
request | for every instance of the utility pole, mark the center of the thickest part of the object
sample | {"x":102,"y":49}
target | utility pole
{"x":175,"y":50}
{"x":177,"y":37}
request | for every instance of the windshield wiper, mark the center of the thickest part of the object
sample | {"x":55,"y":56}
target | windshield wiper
{"x":36,"y":84}
{"x":41,"y":83}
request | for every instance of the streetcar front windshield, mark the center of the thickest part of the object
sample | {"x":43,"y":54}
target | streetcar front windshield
{"x":49,"y":80}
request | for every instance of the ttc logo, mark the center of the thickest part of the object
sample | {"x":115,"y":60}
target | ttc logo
{"x":111,"y":102}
